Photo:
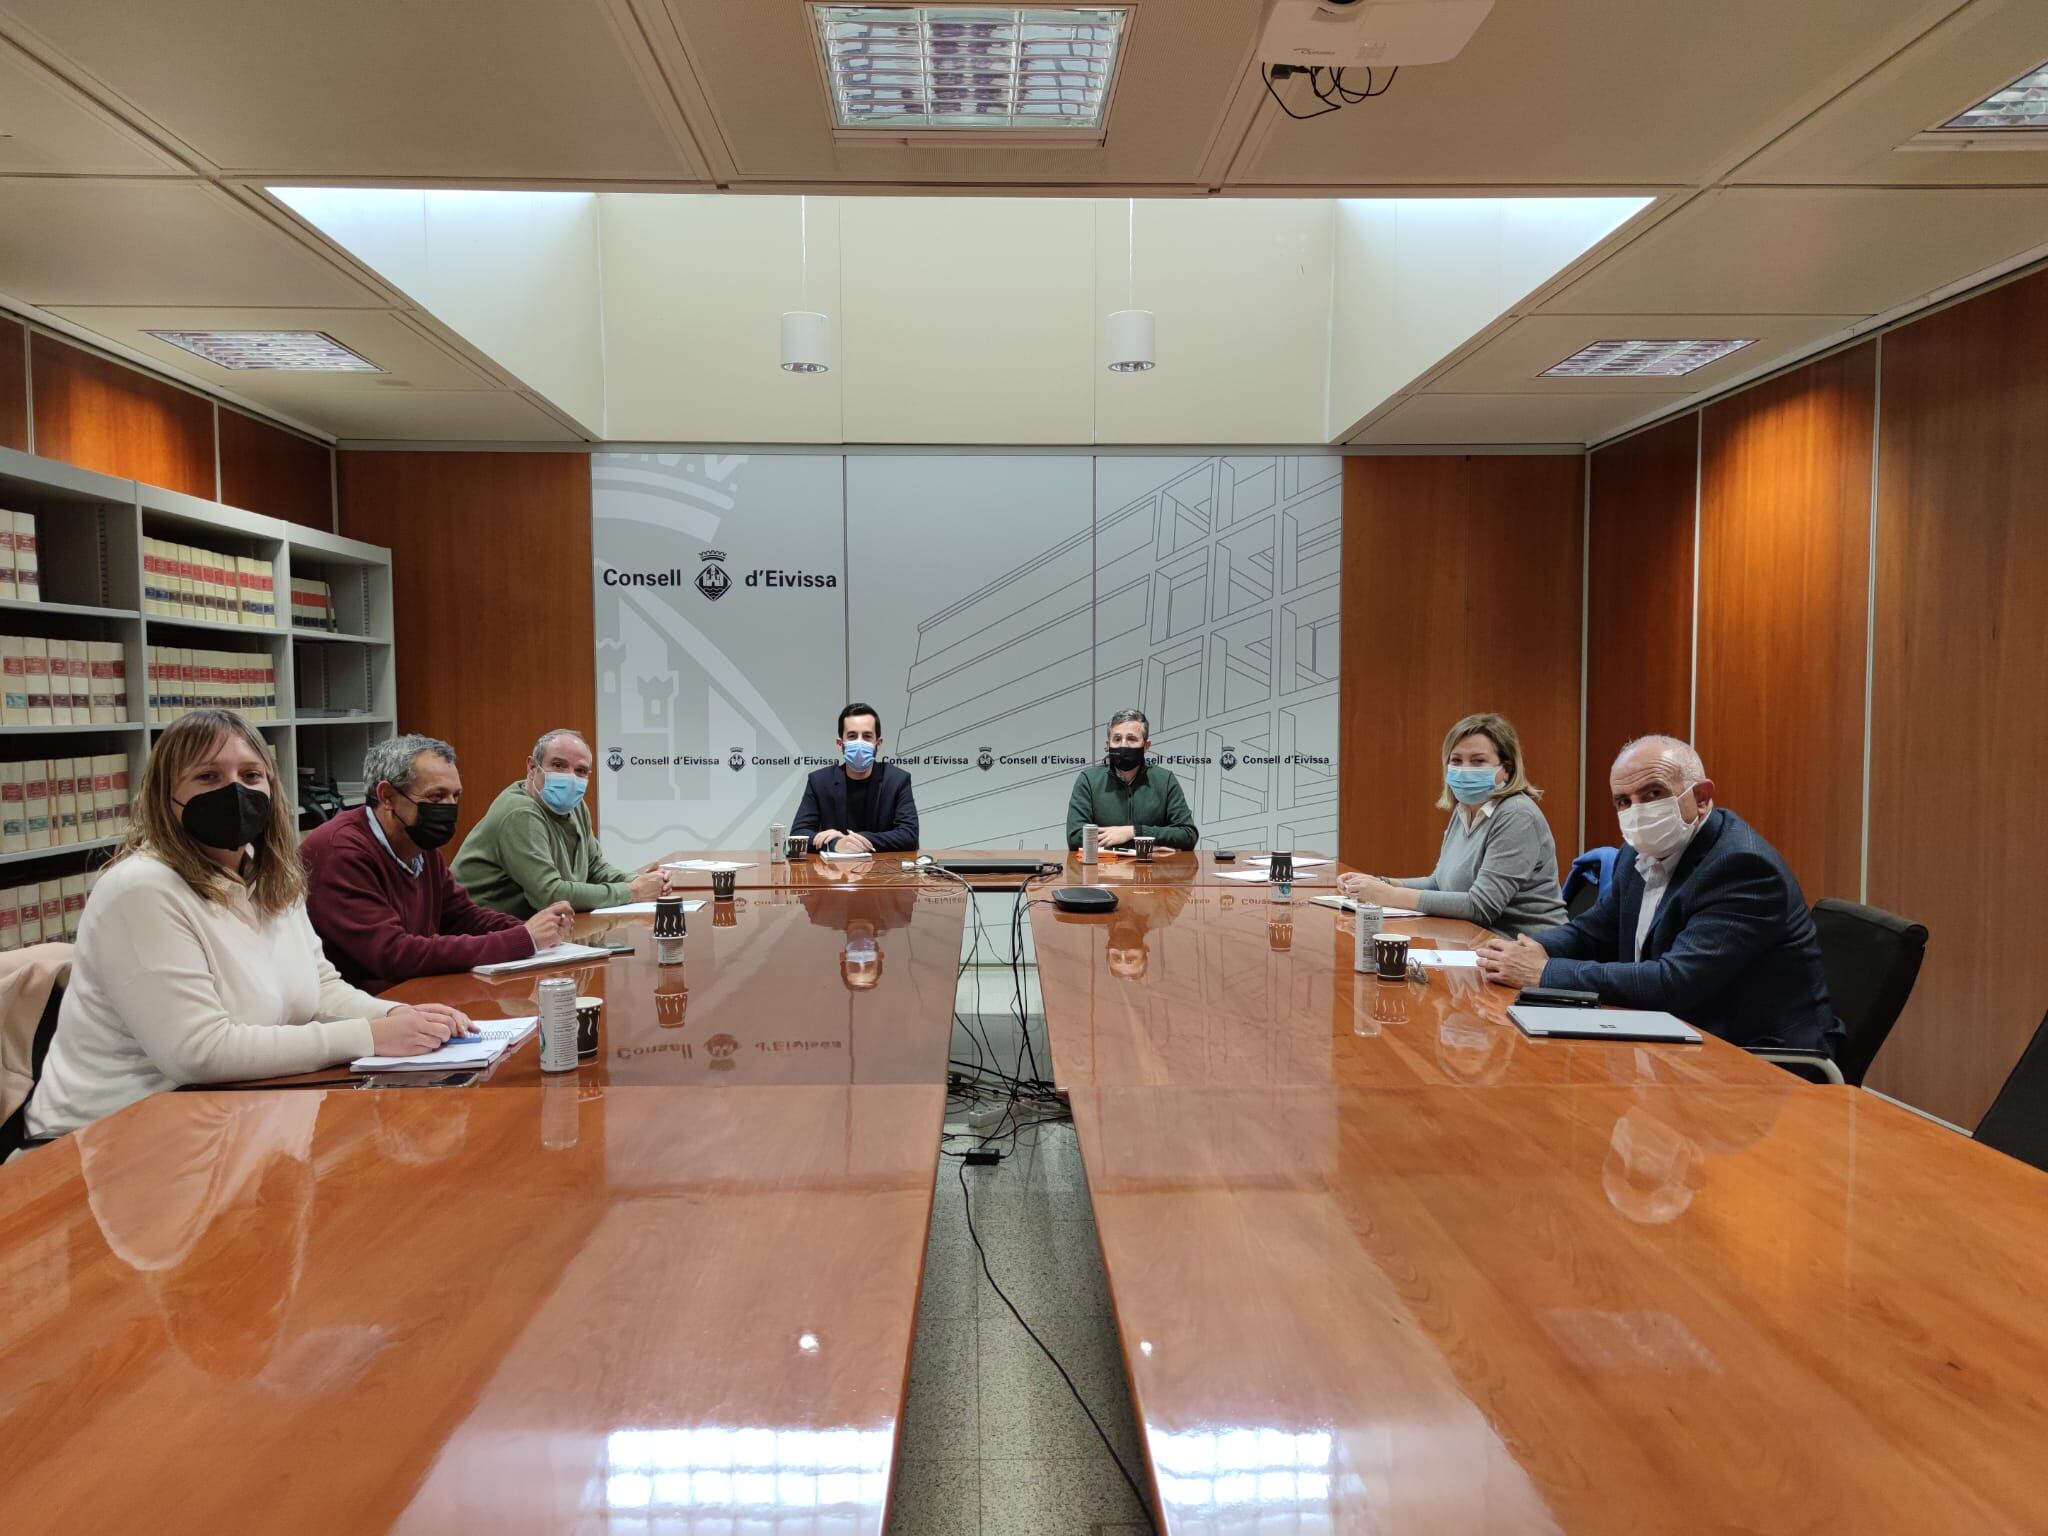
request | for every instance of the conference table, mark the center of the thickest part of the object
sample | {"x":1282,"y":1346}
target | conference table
{"x":1378,"y":1263}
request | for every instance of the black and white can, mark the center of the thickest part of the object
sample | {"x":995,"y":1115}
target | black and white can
{"x":557,"y":997}
{"x":1369,"y":918}
{"x":1091,"y":843}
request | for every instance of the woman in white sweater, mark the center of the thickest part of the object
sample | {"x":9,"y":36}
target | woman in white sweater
{"x":195,"y":960}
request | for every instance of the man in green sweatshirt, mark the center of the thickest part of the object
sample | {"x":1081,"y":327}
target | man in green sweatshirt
{"x":1127,"y":797}
{"x":534,"y":846}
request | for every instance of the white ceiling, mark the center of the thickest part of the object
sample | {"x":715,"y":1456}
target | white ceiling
{"x":136,"y":137}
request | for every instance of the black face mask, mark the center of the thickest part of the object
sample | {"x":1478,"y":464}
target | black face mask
{"x":1125,"y":759}
{"x":433,"y":822}
{"x":227,"y":818}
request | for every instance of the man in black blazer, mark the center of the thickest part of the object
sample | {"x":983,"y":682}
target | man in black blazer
{"x":858,"y":805}
{"x":1706,"y":921}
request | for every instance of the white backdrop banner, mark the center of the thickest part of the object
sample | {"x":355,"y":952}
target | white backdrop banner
{"x":994,"y":608}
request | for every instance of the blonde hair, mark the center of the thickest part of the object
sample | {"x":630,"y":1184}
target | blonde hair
{"x":1496,"y":729}
{"x":275,"y":877}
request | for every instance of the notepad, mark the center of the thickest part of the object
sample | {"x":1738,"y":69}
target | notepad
{"x":705,"y":866}
{"x":833,"y":853}
{"x":1301,"y":860}
{"x":1468,"y":958}
{"x":1348,"y":904}
{"x":638,"y":909}
{"x":1248,"y":876}
{"x":479,"y":1050}
{"x":554,"y":954}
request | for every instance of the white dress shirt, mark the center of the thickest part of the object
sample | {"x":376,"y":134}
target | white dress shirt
{"x":1656,"y":875}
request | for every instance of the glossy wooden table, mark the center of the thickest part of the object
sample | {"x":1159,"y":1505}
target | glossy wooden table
{"x":564,"y":1308}
{"x":1210,"y":986}
{"x":1577,"y":1308}
{"x":1168,"y":867}
{"x":775,"y":987}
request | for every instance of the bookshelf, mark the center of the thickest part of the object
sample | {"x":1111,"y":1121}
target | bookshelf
{"x":336,"y":691}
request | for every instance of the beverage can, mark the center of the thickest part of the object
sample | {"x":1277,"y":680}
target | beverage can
{"x":1091,"y":843}
{"x":557,"y":996}
{"x":1368,"y":918}
{"x":778,"y":841}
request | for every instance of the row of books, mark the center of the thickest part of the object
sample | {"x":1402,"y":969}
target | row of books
{"x":21,"y":576}
{"x":312,"y":604}
{"x":66,"y":801}
{"x":183,"y":581}
{"x":48,"y":913}
{"x":181,"y":681}
{"x":62,"y":682}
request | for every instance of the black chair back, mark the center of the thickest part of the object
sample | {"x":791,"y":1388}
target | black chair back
{"x":1872,"y":959}
{"x":14,"y":1129}
{"x":2017,"y":1122}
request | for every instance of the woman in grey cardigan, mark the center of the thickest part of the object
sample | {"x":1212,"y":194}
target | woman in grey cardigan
{"x":1498,"y":867}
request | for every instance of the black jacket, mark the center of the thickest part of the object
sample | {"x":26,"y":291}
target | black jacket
{"x":1732,"y":949}
{"x":824,"y":805}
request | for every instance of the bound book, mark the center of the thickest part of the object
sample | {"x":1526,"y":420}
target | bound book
{"x":10,"y":919}
{"x":7,"y":590}
{"x":29,"y":914}
{"x":28,"y":580}
{"x":63,"y":802}
{"x":36,"y":677}
{"x":13,"y":681}
{"x":13,"y":808}
{"x":74,"y":905}
{"x":35,"y":803}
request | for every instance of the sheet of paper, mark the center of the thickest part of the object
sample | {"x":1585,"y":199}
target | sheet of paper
{"x":1445,"y":957}
{"x":706,"y":866}
{"x":1301,"y":860}
{"x":554,"y":954}
{"x":1257,"y":876}
{"x":1346,"y":904}
{"x":470,"y":1051}
{"x":833,"y":853}
{"x":638,"y":909}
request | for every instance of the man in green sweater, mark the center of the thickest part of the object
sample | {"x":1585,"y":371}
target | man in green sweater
{"x":1126,"y":797}
{"x":534,"y":846}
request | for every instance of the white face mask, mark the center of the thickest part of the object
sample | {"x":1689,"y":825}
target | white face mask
{"x":1657,"y":829}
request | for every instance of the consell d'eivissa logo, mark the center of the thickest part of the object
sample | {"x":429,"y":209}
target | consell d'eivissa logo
{"x":713,"y":580}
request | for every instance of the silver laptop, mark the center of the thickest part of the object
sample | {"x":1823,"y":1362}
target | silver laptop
{"x":1601,"y":1024}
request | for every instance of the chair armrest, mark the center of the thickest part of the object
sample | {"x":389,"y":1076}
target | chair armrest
{"x":1811,"y":1065}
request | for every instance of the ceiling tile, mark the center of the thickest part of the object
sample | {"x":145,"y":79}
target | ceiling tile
{"x":388,"y":88}
{"x":1809,"y":250}
{"x":1855,"y":137}
{"x":1422,"y":420}
{"x":48,"y":129}
{"x":1513,"y":362}
{"x":96,"y":242}
{"x":1592,"y":92}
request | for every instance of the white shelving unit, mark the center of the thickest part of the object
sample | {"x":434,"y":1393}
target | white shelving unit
{"x":336,"y":692}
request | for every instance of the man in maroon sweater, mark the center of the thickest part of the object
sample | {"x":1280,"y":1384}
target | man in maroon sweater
{"x":381,"y":898}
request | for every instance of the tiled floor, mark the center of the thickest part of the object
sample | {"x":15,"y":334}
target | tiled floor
{"x":993,"y":1443}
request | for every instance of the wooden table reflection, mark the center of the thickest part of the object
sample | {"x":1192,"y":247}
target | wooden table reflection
{"x":1585,"y":1308}
{"x":776,"y":986}
{"x":1168,"y":867}
{"x":540,"y":1309}
{"x":1214,"y":986}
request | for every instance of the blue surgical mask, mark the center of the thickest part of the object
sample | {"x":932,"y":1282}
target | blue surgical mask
{"x":561,"y":792}
{"x":1472,"y":786}
{"x":860,"y":755}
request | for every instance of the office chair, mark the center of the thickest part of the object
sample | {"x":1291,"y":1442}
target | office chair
{"x":32,"y":1051}
{"x":2017,"y":1121}
{"x":1872,"y":959}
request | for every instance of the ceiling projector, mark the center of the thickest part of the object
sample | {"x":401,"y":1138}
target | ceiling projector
{"x":1368,"y":34}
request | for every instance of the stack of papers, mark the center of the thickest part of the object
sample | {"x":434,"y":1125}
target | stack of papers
{"x":833,"y":853}
{"x":1260,"y":874}
{"x":1301,"y":860}
{"x":1449,"y":957}
{"x":554,"y":954}
{"x":706,"y":866}
{"x":479,"y":1050}
{"x":1346,"y":904}
{"x":638,"y":909}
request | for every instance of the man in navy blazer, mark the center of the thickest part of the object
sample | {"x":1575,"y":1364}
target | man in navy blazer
{"x":858,"y":805}
{"x":1705,"y":921}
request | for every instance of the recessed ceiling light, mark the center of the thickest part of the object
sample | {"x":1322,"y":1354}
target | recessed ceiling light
{"x":1643,"y":359}
{"x":974,"y":68}
{"x":286,"y":351}
{"x":2021,"y":107}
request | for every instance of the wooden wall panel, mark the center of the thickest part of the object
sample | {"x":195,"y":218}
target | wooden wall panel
{"x":1639,"y":602}
{"x":1784,"y":578}
{"x":490,"y":561}
{"x":97,"y":414}
{"x":13,"y":386}
{"x":1461,"y":593}
{"x":1958,"y":839}
{"x":278,"y":473}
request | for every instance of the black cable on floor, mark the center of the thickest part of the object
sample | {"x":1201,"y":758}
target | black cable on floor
{"x":967,"y":1200}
